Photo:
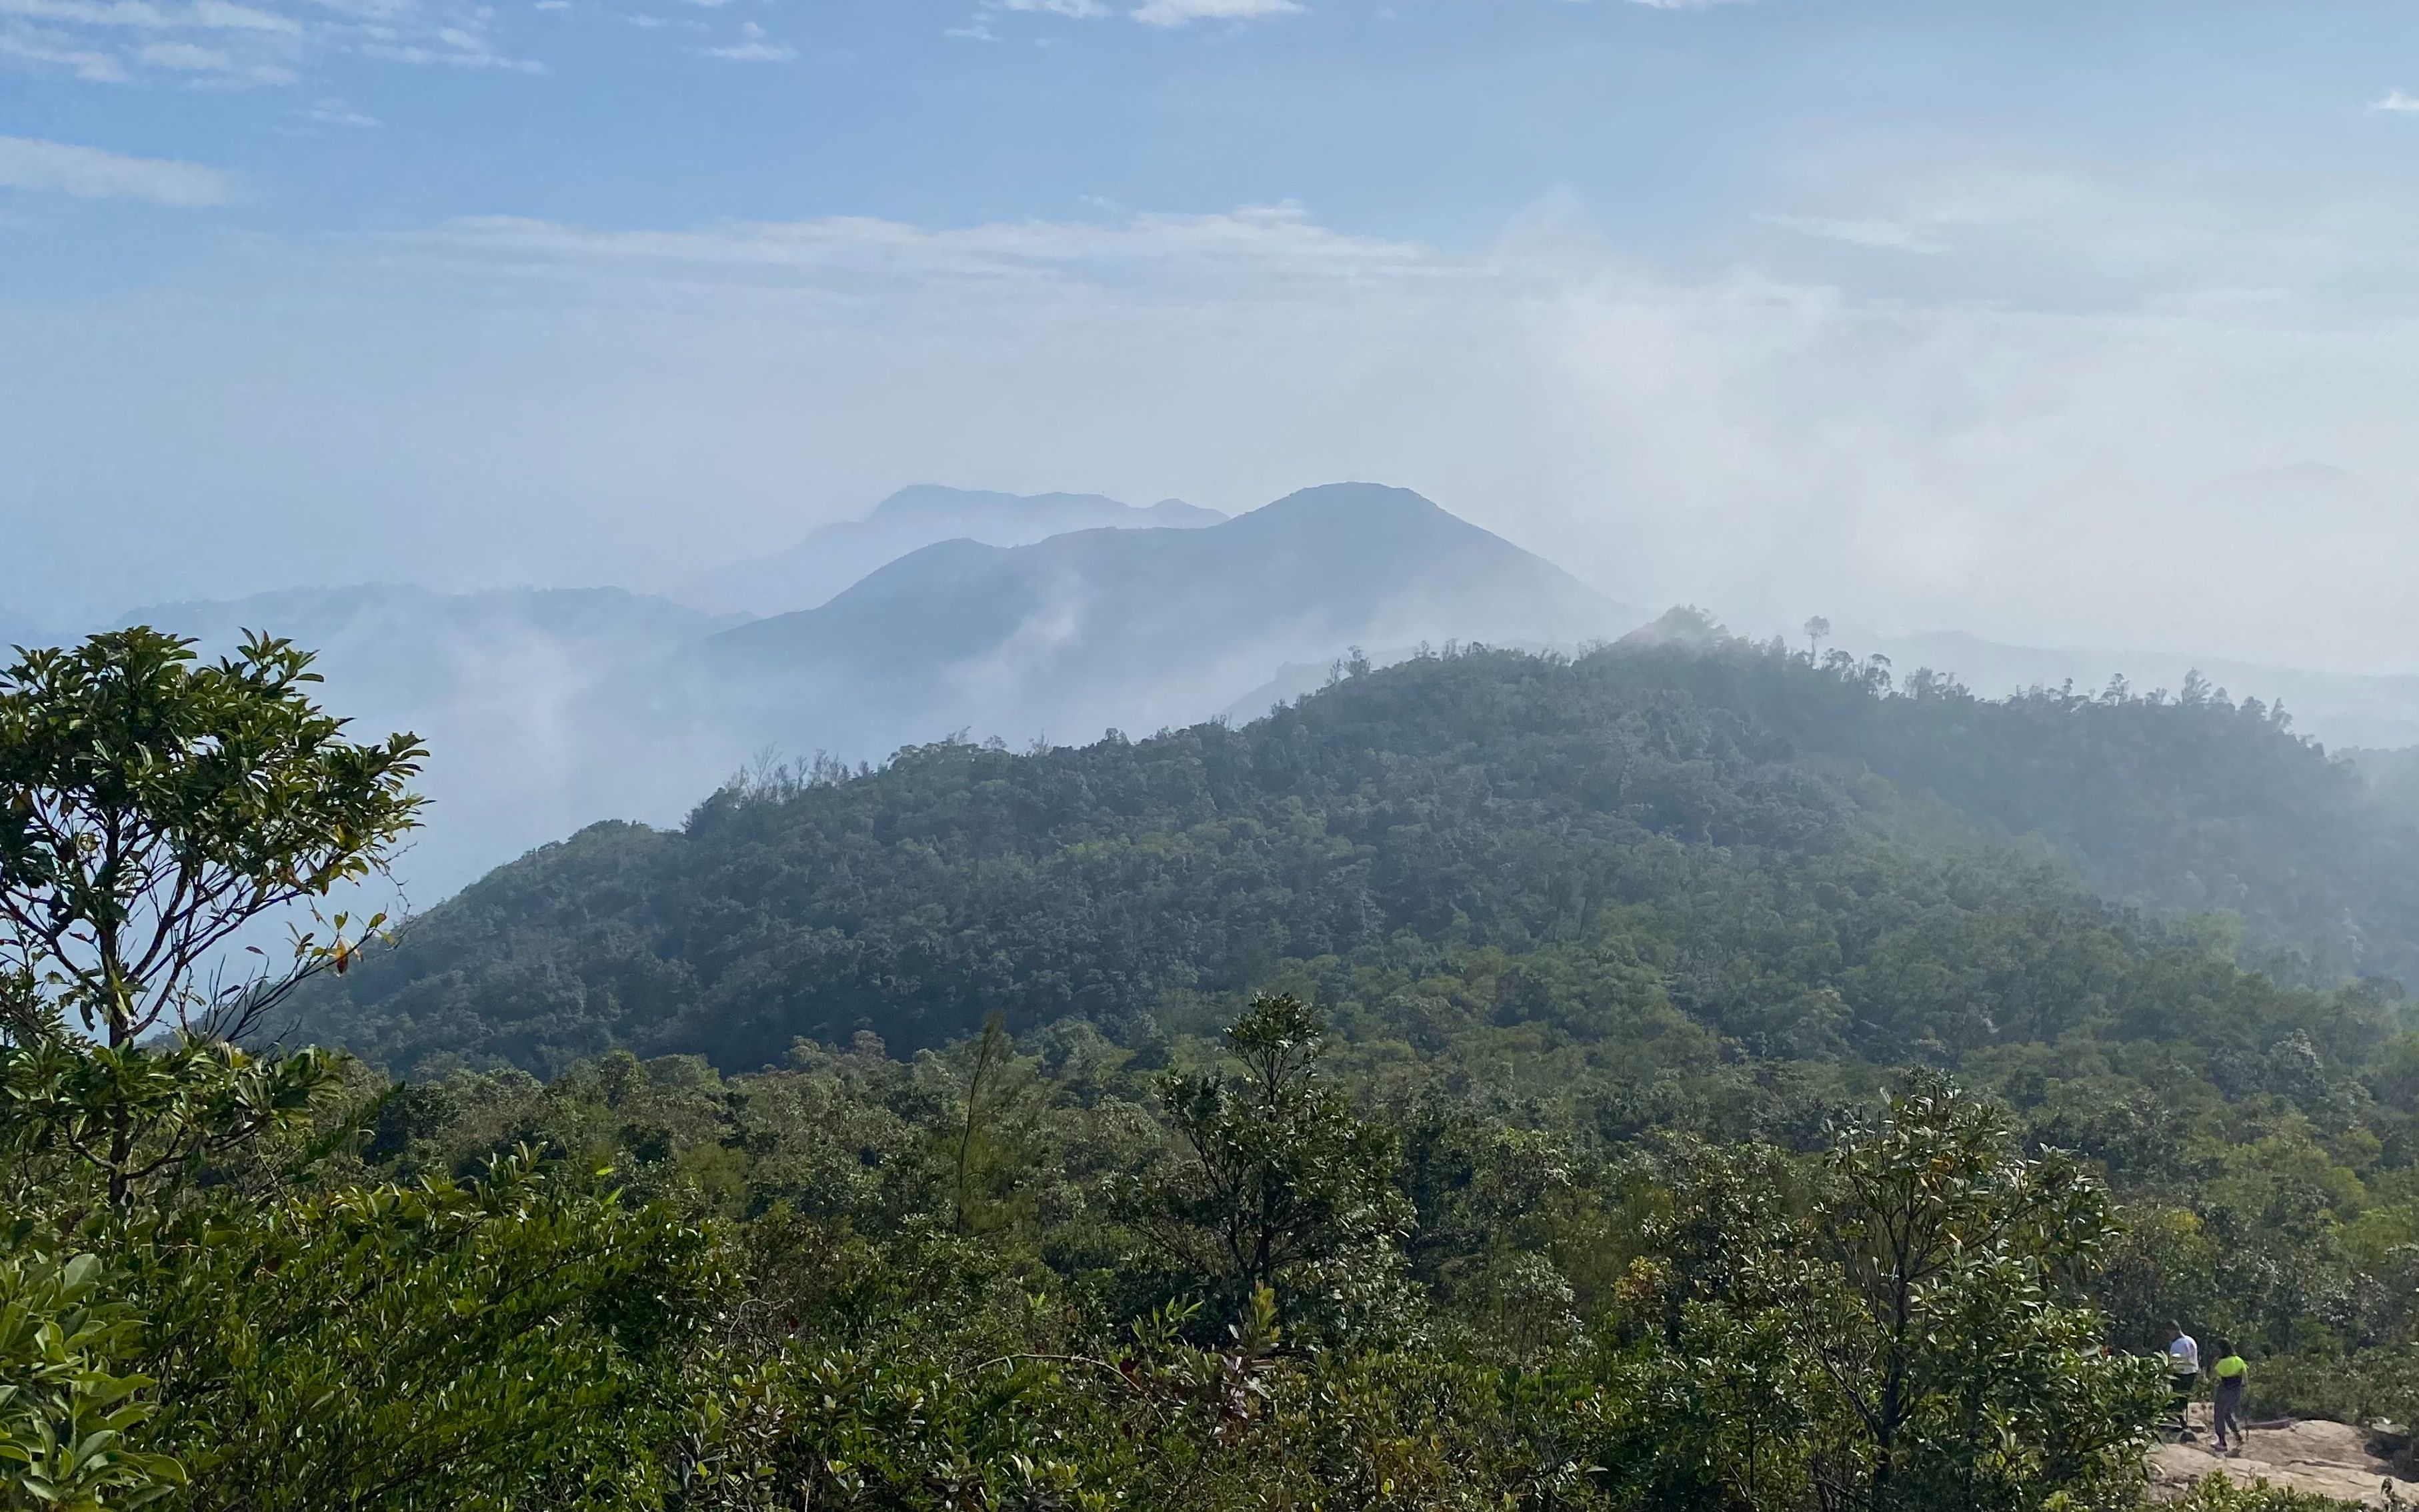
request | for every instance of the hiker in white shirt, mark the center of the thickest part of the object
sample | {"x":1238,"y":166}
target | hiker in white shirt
{"x":2183,"y":1368}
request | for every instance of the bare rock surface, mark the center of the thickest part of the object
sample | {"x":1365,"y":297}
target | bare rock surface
{"x":2327,"y":1459}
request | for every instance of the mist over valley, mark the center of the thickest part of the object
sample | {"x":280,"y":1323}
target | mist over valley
{"x":986,"y":616}
{"x":550,"y":709}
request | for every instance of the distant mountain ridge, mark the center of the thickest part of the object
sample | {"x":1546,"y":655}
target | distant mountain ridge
{"x":806,"y":574}
{"x":1755,"y":812}
{"x":549,"y":709}
{"x":1139,"y":629}
{"x":2343,"y":709}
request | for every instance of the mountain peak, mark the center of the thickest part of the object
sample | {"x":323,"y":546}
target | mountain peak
{"x":1370,"y":501}
{"x":931,"y":501}
{"x":825,"y":564}
{"x":1683,"y":626}
{"x":939,"y":504}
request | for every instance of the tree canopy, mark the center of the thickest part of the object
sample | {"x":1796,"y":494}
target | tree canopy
{"x":1495,"y":1083}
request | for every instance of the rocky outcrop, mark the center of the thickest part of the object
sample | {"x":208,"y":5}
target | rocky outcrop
{"x":2326,"y":1458}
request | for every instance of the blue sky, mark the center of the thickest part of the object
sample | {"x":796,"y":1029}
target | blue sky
{"x":2054,"y":321}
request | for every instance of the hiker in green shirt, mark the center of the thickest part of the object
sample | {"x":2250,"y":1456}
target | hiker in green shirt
{"x":2232,"y":1373}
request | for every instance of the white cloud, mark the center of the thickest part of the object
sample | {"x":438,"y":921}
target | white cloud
{"x":2395,"y":101}
{"x":1993,"y":455}
{"x":1891,"y":236}
{"x":334,"y":112}
{"x":227,"y":17}
{"x":91,"y":65}
{"x":1077,"y":9}
{"x":1179,"y":12}
{"x":206,"y":15}
{"x":183,"y":55}
{"x":237,"y":42}
{"x":756,"y":48}
{"x":89,"y":173}
{"x":451,"y":58}
{"x":227,"y":69}
{"x":2010,"y":224}
{"x":1275,"y":247}
{"x":1769,"y":446}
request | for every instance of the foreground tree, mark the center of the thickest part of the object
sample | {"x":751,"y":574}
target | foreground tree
{"x":1282,"y":1188}
{"x":284,"y":1335}
{"x":1942,"y":1306}
{"x":153,"y":807}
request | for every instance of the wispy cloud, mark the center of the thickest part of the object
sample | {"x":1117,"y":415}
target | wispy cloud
{"x":755,"y":47}
{"x":451,"y":58}
{"x":977,"y":27}
{"x":2395,"y":103}
{"x":89,"y":173}
{"x":183,"y":55}
{"x":1273,"y":248}
{"x":1999,"y":223}
{"x":1180,"y":13}
{"x":334,"y":112}
{"x":240,"y":43}
{"x":222,"y":66}
{"x":210,"y":15}
{"x":1892,"y":236}
{"x":50,"y":50}
{"x":1727,"y":440}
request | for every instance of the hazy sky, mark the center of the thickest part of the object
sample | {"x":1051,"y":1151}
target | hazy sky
{"x":2079,"y":323}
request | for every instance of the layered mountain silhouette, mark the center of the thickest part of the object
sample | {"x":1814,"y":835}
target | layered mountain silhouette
{"x":1739,"y":809}
{"x":1135,"y":628}
{"x":548,"y":709}
{"x":810,"y":572}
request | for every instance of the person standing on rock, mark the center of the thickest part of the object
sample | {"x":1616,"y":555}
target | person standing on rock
{"x":2183,"y":1370}
{"x":2231,"y":1374}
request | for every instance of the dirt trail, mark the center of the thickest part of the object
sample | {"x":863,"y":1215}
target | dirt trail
{"x":2329,"y":1458}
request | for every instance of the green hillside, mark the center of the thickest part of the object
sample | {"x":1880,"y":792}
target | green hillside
{"x":1499,"y":1082}
{"x":1701,"y":845}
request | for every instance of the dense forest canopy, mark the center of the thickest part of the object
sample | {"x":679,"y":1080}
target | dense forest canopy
{"x":1790,"y":858}
{"x":1694,"y":1075}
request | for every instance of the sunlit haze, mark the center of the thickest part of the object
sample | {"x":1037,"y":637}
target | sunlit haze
{"x":2060,"y":324}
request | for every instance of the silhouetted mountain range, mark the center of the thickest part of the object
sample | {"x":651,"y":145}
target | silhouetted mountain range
{"x":810,"y":572}
{"x":550,"y":709}
{"x":1139,"y":629}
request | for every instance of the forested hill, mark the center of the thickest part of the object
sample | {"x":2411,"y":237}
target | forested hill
{"x":1685,"y":845}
